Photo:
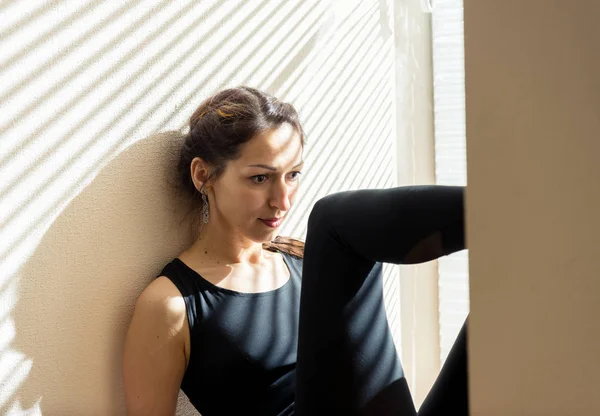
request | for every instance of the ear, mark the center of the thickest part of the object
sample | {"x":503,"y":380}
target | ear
{"x":200,"y":171}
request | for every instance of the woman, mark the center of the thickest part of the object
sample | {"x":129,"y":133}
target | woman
{"x":227,"y":320}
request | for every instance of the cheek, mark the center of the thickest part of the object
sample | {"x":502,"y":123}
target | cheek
{"x":293,"y":195}
{"x":246,"y":203}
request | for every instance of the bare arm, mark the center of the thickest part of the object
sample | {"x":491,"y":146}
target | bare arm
{"x":154,"y":359}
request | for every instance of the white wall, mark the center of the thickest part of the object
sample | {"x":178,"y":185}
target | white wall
{"x":450,"y":156}
{"x":86,"y":217}
{"x":533,"y":129}
{"x":416,"y":165}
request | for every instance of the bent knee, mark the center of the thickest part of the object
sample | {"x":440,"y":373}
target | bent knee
{"x":325,"y":211}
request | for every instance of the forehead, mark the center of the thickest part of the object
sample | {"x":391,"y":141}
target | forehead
{"x":279,"y":146}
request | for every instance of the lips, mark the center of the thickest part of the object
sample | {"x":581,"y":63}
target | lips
{"x":272,"y":222}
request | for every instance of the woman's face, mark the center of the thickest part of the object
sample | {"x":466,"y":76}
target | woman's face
{"x":257,"y":190}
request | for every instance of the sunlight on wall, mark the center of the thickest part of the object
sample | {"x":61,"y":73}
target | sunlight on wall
{"x":86,"y":219}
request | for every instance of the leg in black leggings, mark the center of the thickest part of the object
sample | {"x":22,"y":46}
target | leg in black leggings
{"x":347,"y":362}
{"x":449,"y":394}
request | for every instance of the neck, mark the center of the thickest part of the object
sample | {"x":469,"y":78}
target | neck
{"x":227,"y":246}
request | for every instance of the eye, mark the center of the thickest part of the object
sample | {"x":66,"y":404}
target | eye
{"x":294,"y":176}
{"x":259,"y":179}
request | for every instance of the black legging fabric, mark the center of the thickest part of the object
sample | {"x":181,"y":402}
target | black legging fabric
{"x":347,"y":362}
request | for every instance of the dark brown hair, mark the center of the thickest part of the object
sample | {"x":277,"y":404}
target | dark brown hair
{"x":218,"y":129}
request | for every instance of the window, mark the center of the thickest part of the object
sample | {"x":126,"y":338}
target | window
{"x":450,"y":155}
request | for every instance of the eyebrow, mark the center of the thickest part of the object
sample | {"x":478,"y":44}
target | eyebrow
{"x":272,"y":168}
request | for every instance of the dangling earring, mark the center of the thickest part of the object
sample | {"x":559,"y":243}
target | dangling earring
{"x":205,"y":215}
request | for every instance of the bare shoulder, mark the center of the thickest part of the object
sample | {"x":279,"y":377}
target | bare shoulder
{"x":156,"y":350}
{"x":161,"y":297}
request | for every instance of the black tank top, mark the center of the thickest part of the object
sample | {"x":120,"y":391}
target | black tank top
{"x":242,"y":345}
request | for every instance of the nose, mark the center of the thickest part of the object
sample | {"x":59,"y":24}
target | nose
{"x":281,"y":193}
